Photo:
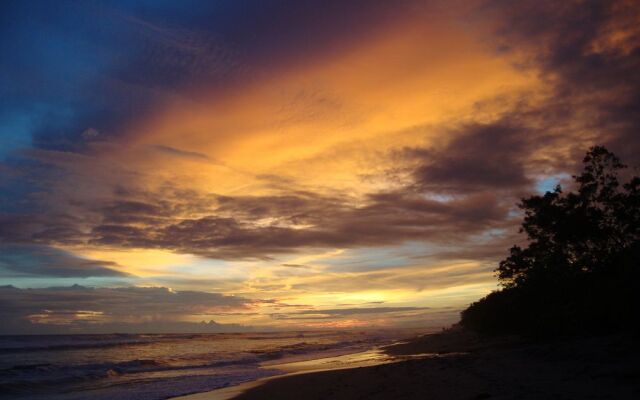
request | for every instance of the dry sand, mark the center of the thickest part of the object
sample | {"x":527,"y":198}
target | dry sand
{"x":465,"y":366}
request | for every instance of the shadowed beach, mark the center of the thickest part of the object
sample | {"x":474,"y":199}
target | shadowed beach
{"x":457,"y":364}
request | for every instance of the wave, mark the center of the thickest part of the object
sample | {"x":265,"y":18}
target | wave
{"x":168,"y":360}
{"x":67,"y":342}
{"x":143,"y":389}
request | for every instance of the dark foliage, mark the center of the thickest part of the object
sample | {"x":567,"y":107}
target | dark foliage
{"x":579,"y":271}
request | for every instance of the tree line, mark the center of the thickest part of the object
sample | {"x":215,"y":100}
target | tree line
{"x":578,"y":272}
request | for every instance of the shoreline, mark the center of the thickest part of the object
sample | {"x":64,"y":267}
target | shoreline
{"x":371,"y":357}
{"x":399,"y":351}
{"x":461,"y":365}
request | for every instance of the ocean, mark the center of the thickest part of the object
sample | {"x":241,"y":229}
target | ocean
{"x":159,"y":366}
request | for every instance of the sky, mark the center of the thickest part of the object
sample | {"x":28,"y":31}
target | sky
{"x":278,"y":165}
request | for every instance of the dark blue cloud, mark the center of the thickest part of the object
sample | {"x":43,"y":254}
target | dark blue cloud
{"x":44,"y":261}
{"x":74,"y":66}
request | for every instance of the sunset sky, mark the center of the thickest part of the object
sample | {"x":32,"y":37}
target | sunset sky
{"x":289,"y":164}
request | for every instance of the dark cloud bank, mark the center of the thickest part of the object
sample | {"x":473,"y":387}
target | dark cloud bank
{"x":44,"y":261}
{"x":80,"y":309}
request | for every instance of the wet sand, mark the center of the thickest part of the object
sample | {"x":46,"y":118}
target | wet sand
{"x":461,"y":365}
{"x":367,"y":358}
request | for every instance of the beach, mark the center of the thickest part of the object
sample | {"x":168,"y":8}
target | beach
{"x":462,"y":365}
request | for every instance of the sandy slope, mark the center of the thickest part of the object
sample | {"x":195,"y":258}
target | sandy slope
{"x":469,"y":367}
{"x":603,"y":368}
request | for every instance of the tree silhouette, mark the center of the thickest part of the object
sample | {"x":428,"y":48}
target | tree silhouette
{"x":580,"y":266}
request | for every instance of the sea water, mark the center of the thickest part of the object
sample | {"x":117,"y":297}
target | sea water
{"x":159,"y":366}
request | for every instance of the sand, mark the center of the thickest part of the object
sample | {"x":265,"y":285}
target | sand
{"x":461,"y":365}
{"x":372,"y":357}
